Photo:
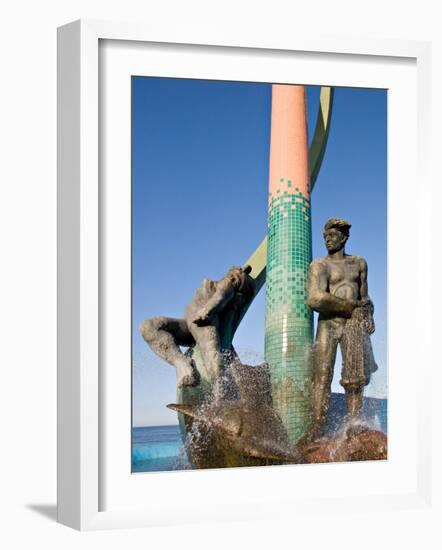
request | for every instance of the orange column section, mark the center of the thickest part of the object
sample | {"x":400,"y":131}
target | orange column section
{"x":289,"y":140}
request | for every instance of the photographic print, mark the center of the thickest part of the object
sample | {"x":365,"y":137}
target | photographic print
{"x":259,"y":274}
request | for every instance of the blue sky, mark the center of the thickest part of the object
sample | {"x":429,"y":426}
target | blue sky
{"x":200,"y":152}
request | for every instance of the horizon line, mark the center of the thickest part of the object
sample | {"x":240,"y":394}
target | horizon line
{"x":154,"y":425}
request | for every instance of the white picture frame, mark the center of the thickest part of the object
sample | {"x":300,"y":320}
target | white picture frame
{"x":81,"y":439}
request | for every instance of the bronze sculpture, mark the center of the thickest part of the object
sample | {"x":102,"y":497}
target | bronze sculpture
{"x":215,"y":307}
{"x":226,"y":409}
{"x":241,"y":429}
{"x":337,"y":290}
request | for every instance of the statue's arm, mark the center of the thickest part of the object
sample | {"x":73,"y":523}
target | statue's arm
{"x":365,"y":300}
{"x":224,"y":293}
{"x":320,"y":299}
{"x":363,"y":277}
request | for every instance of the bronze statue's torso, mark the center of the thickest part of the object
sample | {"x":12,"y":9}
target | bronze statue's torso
{"x":343,"y":278}
{"x":202,"y":295}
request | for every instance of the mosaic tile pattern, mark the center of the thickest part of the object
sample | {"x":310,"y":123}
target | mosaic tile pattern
{"x":289,"y":322}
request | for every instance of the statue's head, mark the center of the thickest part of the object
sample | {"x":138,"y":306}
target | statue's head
{"x":243,"y":282}
{"x":336,"y":234}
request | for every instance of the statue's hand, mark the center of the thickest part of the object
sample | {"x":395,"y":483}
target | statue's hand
{"x":364,"y":303}
{"x":351,"y":306}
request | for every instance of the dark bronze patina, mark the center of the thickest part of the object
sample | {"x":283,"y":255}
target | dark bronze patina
{"x":337,"y":290}
{"x":242,"y":429}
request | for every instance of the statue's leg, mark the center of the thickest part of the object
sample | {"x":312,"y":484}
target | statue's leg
{"x":164,"y":336}
{"x":324,"y":356}
{"x":208,"y":341}
{"x":353,"y":398}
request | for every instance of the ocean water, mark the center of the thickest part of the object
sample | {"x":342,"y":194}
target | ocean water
{"x":160,"y":448}
{"x":157,"y":449}
{"x":374,"y":411}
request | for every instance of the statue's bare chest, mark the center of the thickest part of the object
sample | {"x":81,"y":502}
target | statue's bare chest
{"x":344,"y":277}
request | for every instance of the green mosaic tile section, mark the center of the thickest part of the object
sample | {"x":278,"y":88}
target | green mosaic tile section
{"x":289,"y":328}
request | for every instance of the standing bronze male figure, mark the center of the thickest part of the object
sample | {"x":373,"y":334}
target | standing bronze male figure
{"x":337,"y":290}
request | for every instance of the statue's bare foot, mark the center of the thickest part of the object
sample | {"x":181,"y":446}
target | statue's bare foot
{"x":187,"y":374}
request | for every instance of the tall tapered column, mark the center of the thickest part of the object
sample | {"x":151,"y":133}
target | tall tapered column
{"x":288,"y":336}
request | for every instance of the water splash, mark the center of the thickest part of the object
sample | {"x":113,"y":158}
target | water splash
{"x":356,"y":440}
{"x":182,"y":460}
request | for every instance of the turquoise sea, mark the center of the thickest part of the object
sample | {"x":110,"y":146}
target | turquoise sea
{"x":157,"y":449}
{"x":160,"y":448}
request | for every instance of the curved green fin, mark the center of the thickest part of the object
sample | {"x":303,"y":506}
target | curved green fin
{"x":320,"y":137}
